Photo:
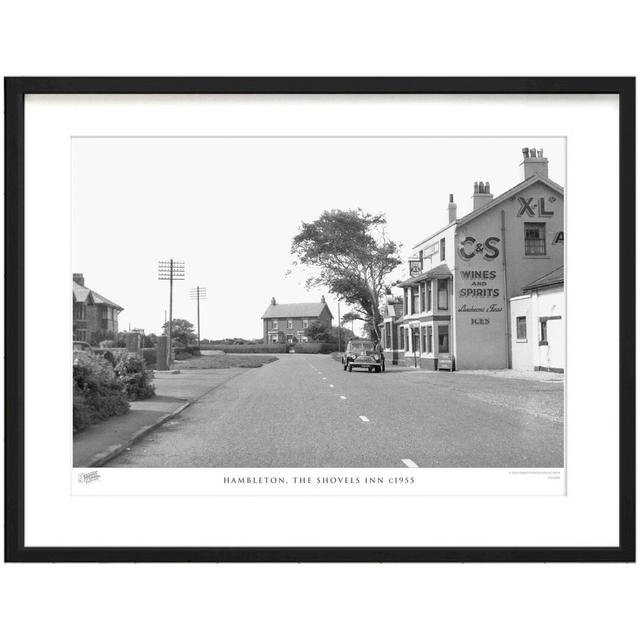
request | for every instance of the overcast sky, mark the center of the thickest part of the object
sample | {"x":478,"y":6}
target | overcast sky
{"x":229,"y":207}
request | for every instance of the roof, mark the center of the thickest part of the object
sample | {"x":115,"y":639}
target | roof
{"x":510,"y":193}
{"x":497,"y":200}
{"x":296,"y":310}
{"x":550,"y":279}
{"x":440,"y":270}
{"x":84,"y":294}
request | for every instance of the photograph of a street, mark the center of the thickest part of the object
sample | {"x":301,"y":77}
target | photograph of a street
{"x":331,"y":418}
{"x":318,"y":303}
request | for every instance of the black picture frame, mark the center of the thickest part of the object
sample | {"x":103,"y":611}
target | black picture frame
{"x":15,"y":91}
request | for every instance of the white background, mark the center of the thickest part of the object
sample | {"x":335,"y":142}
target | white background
{"x":542,"y":38}
{"x":586,"y":516}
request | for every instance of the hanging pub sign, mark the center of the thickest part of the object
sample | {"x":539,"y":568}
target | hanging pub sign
{"x":415,"y":267}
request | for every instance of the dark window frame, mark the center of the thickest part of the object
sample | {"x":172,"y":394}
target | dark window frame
{"x":535,"y":245}
{"x":519,"y":326}
{"x":444,"y":281}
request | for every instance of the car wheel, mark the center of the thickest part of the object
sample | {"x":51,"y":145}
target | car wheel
{"x":370,"y":369}
{"x":378,"y":369}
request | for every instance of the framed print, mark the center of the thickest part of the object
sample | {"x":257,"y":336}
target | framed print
{"x":320,"y":319}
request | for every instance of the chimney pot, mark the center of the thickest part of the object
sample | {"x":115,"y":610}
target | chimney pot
{"x":78,"y":278}
{"x":481,"y":194}
{"x":534,"y":163}
{"x":322,"y":299}
{"x":453,"y":209}
{"x":273,"y":301}
{"x":525,"y":152}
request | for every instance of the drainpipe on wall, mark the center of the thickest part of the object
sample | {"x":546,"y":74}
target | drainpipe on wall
{"x":507,"y":308}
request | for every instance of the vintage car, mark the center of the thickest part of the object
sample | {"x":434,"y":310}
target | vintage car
{"x":79,"y":345}
{"x":364,"y":355}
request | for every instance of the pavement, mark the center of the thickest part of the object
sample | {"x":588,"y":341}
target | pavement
{"x":305,"y":411}
{"x":175,"y":391}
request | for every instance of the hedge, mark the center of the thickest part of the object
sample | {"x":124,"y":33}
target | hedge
{"x":97,"y":392}
{"x":300,"y":347}
{"x":133,"y":374}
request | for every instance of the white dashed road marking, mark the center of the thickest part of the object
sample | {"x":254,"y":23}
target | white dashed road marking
{"x":409,"y":463}
{"x":364,"y":418}
{"x":331,"y":385}
{"x":343,"y":397}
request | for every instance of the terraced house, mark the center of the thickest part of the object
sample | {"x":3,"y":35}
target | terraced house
{"x":93,"y":315}
{"x":462,"y":277}
{"x":288,"y":322}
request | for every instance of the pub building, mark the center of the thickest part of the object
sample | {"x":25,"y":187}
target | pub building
{"x":455,"y":304}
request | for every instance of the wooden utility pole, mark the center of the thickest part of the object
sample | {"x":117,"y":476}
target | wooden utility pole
{"x":170,"y":270}
{"x":199,"y":293}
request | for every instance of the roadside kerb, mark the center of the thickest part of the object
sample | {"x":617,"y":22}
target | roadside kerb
{"x":113,"y":451}
{"x":109,"y":454}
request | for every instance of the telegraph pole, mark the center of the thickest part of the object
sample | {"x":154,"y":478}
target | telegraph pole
{"x":199,"y":293}
{"x":339,"y":332}
{"x":170,"y":270}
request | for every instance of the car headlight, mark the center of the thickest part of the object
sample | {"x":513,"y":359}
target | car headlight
{"x":376,"y":358}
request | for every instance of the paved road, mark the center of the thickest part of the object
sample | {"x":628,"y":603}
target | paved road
{"x":305,"y":411}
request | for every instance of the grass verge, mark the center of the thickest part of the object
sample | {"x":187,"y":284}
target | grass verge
{"x":225,"y":361}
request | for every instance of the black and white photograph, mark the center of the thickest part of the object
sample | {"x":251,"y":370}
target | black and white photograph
{"x":318,"y":302}
{"x":359,"y":318}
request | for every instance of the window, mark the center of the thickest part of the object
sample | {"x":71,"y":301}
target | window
{"x":543,"y":332}
{"x":305,"y":323}
{"x":443,"y":294}
{"x":79,"y":311}
{"x":521,"y":328}
{"x":443,"y":339}
{"x":534,"y":239}
{"x":401,"y":335}
{"x":423,"y":302}
{"x":406,"y":302}
{"x":274,"y":324}
{"x":415,"y":294}
{"x":442,"y":244}
{"x":428,"y":295}
{"x":387,"y":335}
{"x":429,"y":339}
{"x":289,"y":324}
{"x":423,"y":335}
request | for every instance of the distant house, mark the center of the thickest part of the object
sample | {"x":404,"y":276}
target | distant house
{"x":284,"y":322}
{"x":92,"y":313}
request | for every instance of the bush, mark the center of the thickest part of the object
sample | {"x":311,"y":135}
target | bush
{"x":150,"y":356}
{"x":136,"y":379}
{"x":97,"y":392}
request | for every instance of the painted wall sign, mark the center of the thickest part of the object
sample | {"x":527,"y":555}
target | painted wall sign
{"x":559,"y":238}
{"x":470,"y":247}
{"x":528,"y":208}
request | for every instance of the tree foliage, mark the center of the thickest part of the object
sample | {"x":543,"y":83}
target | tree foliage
{"x":181,"y":330}
{"x":348,"y":253}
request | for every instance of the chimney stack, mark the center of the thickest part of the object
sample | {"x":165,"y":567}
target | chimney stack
{"x":322,"y":299}
{"x":481,"y":194}
{"x":534,"y":163}
{"x":78,"y":278}
{"x":453,"y":209}
{"x":273,"y":302}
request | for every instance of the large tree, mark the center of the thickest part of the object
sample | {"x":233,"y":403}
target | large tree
{"x":181,"y":330}
{"x":349,"y":253}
